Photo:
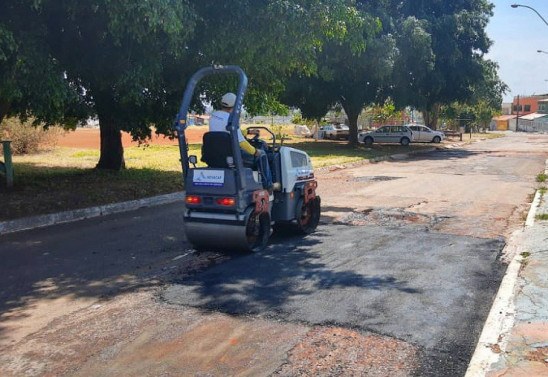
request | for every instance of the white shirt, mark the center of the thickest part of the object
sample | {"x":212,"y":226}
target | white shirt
{"x":218,"y":122}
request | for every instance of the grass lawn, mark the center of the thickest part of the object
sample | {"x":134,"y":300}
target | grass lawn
{"x":65,"y":178}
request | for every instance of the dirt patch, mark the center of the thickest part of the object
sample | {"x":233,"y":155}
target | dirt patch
{"x":89,"y":138}
{"x":335,"y":351}
{"x":135,"y":335}
{"x":540,"y":354}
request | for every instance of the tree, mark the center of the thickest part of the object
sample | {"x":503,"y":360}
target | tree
{"x":383,"y":113}
{"x":121,"y":53}
{"x":128,"y":61}
{"x":32,"y":82}
{"x":354,"y":70}
{"x":487,"y":94}
{"x":451,"y":39}
{"x":311,"y":95}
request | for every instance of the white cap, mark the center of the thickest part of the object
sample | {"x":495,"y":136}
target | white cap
{"x":228,"y":100}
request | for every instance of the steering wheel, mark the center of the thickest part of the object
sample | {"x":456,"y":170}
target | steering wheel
{"x":256,"y":142}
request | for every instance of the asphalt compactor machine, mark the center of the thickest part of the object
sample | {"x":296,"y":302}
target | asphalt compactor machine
{"x":227,"y":206}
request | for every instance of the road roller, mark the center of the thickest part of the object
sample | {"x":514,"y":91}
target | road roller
{"x":226,"y":205}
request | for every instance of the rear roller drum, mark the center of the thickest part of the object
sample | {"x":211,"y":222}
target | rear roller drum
{"x":308,"y":215}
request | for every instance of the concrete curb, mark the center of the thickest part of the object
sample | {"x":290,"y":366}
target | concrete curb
{"x":27,"y":223}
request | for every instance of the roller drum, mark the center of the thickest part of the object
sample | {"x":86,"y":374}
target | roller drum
{"x":249,"y":235}
{"x":217,"y":236}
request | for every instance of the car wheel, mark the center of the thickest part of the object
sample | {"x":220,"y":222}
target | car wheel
{"x":436,"y":139}
{"x":405,"y":141}
{"x":368,"y":141}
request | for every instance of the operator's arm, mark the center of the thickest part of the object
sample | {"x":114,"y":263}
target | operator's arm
{"x":246,"y":147}
{"x":244,"y":144}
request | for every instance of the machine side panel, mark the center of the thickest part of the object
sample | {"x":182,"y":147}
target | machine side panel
{"x":284,"y":208}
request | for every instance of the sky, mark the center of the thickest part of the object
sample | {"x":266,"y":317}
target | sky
{"x":517,"y":34}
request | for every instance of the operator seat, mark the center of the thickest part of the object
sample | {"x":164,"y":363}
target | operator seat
{"x":216,"y":148}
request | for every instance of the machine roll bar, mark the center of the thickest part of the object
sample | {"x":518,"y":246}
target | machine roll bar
{"x":181,"y":122}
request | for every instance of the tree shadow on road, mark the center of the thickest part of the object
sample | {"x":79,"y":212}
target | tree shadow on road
{"x":95,"y":259}
{"x":289,"y":272}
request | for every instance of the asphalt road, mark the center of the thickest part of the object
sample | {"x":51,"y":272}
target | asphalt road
{"x":409,"y":250}
{"x":426,"y":288}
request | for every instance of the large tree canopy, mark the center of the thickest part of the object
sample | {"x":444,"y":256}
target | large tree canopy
{"x":441,"y":46}
{"x":120,"y":53}
{"x":129,"y":60}
{"x":32,"y":82}
{"x":351,"y":72}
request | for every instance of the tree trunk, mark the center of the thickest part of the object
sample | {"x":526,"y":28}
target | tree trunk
{"x":426,"y":117}
{"x":435,"y":116}
{"x":352,"y":112}
{"x":431,"y":116}
{"x":112,"y":151}
{"x":4,"y":108}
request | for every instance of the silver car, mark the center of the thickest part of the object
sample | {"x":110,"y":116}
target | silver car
{"x":336,"y":131}
{"x":387,"y":134}
{"x":423,"y":134}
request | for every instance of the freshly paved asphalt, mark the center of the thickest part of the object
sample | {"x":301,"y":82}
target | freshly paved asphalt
{"x":430,"y":289}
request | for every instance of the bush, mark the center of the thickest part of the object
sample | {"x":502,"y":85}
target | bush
{"x":278,"y":131}
{"x":26,"y":138}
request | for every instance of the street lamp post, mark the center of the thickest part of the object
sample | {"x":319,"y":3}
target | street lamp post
{"x":534,"y":10}
{"x":542,"y":52}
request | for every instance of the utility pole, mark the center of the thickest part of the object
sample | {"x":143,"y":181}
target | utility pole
{"x":517,"y":115}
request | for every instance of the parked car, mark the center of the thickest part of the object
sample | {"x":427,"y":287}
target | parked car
{"x":302,"y":130}
{"x":387,"y":134}
{"x":336,"y":131}
{"x":318,"y":133}
{"x":423,"y":134}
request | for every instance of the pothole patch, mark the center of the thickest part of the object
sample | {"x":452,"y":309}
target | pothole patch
{"x":377,"y":178}
{"x":390,"y":217}
{"x":335,"y":351}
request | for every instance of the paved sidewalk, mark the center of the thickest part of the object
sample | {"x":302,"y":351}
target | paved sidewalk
{"x":526,"y":349}
{"x":514,"y":341}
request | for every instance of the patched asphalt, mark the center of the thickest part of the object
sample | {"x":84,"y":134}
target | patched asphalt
{"x":431,"y":289}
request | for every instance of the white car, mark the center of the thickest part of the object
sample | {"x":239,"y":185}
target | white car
{"x":336,"y":131}
{"x":423,"y":134}
{"x":302,"y":130}
{"x":387,"y":134}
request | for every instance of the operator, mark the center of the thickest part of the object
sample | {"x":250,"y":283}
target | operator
{"x":218,"y":123}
